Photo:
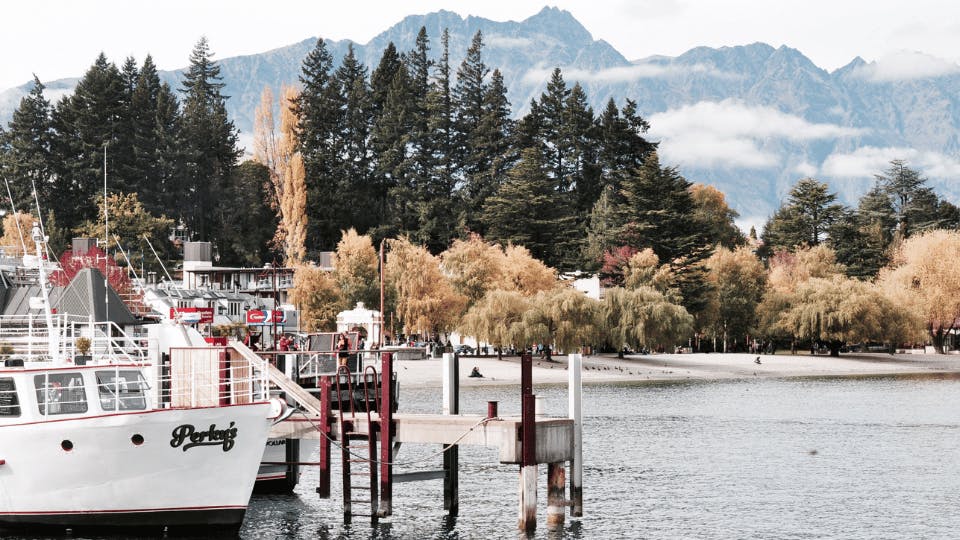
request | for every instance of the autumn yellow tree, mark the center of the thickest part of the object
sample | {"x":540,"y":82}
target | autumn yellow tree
{"x":16,"y":234}
{"x":497,"y":319}
{"x":924,"y":276}
{"x":643,"y":268}
{"x":642,"y":317}
{"x":564,"y":318}
{"x":473,"y":266}
{"x":355,"y":265}
{"x":840,"y":310}
{"x":129,"y":222}
{"x":738,"y":280}
{"x":523,"y":273}
{"x":426,"y":302}
{"x":287,"y":174}
{"x":317,"y":297}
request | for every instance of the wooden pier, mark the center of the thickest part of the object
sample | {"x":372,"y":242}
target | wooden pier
{"x":526,"y":440}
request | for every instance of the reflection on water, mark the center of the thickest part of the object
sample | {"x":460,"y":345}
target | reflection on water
{"x":804,"y":458}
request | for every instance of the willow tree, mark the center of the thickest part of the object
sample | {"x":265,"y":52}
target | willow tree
{"x":497,"y":319}
{"x":842,"y":310}
{"x":426,"y":302}
{"x":563,"y":318}
{"x":317,"y":298}
{"x":473,"y":266}
{"x":355,"y":265}
{"x":522,"y":273}
{"x":642,"y":317}
{"x":924,"y":277}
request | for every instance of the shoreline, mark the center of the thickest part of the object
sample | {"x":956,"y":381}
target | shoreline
{"x":608,"y":369}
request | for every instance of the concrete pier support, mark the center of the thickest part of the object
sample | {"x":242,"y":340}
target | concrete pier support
{"x":451,"y":458}
{"x":575,"y":390}
{"x":556,"y":491}
{"x":528,"y":499}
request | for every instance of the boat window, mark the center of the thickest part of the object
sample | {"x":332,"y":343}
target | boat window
{"x":128,"y":384}
{"x":60,"y":393}
{"x":9,"y":402}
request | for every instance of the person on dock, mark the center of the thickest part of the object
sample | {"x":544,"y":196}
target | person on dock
{"x":343,"y":349}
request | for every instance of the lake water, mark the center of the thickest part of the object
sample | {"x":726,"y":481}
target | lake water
{"x":809,"y":458}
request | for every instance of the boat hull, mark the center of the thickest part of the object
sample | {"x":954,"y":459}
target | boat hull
{"x":164,"y":468}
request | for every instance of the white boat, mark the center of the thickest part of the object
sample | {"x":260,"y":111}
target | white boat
{"x":152,"y":431}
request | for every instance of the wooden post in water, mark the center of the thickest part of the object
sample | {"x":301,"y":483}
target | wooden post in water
{"x":451,"y":458}
{"x":575,"y":391}
{"x":386,"y":435}
{"x":556,"y":491}
{"x":323,"y":489}
{"x":527,"y":521}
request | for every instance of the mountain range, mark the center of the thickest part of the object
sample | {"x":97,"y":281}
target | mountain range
{"x":749,"y":119}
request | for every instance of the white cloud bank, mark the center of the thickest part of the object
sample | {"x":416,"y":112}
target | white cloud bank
{"x":625,"y":73}
{"x":906,"y":65}
{"x":867,"y":161}
{"x":729,"y":133}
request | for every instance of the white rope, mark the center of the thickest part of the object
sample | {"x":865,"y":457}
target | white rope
{"x":400,"y":463}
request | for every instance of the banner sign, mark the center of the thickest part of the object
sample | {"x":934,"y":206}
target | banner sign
{"x":190,"y":315}
{"x":266,"y":317}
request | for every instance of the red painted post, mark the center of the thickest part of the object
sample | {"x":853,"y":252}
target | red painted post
{"x":386,"y":435}
{"x":527,"y":521}
{"x":324,"y":488}
{"x":526,"y":374}
{"x":491,"y":409}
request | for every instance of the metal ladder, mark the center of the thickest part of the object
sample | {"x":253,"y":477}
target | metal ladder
{"x":353,"y":443}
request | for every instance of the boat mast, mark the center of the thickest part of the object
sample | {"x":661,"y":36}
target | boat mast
{"x":52,"y":335}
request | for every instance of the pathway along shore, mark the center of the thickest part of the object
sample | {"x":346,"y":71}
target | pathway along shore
{"x":677,"y":367}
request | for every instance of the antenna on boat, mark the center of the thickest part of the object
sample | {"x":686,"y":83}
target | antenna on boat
{"x":16,"y":216}
{"x":39,"y":239}
{"x":106,"y":241}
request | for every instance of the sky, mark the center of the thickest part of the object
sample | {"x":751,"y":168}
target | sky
{"x":61,"y":38}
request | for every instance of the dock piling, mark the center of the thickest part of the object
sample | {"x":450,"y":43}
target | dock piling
{"x":575,"y":390}
{"x":556,"y":490}
{"x":387,"y":431}
{"x":527,"y":521}
{"x":323,"y":489}
{"x":451,"y":458}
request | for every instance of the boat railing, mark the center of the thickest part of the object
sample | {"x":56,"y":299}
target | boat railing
{"x":29,"y":338}
{"x":211,"y":377}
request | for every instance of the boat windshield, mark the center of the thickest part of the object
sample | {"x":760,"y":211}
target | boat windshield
{"x":129,"y":385}
{"x":60,"y":393}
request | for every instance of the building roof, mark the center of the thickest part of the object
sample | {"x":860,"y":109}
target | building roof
{"x":88,"y":295}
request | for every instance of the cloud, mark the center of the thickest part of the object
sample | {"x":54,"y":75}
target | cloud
{"x":867,"y":161}
{"x":626,"y":73}
{"x":805,"y":169}
{"x":730,"y":133}
{"x":906,"y":65}
{"x":496,"y":41}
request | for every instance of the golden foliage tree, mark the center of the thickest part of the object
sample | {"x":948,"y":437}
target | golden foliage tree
{"x":473,"y":266}
{"x":738,"y":280}
{"x":643,"y":269}
{"x":643,"y":317}
{"x":316,"y":295}
{"x":564,"y":318}
{"x":130,"y":222}
{"x":524,"y":274}
{"x":426,"y":302}
{"x":16,"y":234}
{"x":355,"y":269}
{"x":287,"y":174}
{"x":840,"y":310}
{"x":497,"y":319}
{"x":924,"y":276}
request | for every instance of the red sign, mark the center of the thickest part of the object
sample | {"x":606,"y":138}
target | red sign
{"x":190,"y":315}
{"x":264,"y":317}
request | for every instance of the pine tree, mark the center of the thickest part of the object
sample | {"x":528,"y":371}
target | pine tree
{"x":351,"y":147}
{"x":805,"y":219}
{"x":27,"y":160}
{"x":210,"y":144}
{"x":529,"y":211}
{"x":419,"y":166}
{"x":318,"y":120}
{"x":389,"y":140}
{"x":84,"y":123}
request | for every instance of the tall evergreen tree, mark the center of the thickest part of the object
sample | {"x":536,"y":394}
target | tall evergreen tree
{"x":805,"y":219}
{"x":84,"y":123}
{"x":352,"y":146}
{"x":529,"y":211}
{"x":318,"y":120}
{"x":26,"y":159}
{"x":210,"y":144}
{"x":390,"y":141}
